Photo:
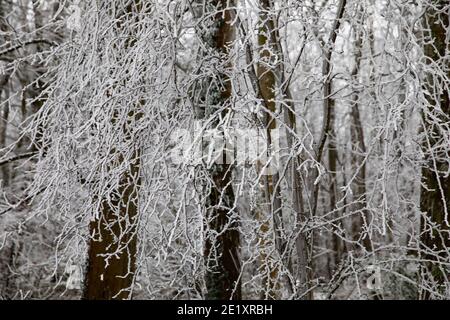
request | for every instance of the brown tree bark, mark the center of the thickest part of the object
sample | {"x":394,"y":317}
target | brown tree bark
{"x":435,"y":191}
{"x":272,"y":224}
{"x":222,"y":238}
{"x":113,"y":243}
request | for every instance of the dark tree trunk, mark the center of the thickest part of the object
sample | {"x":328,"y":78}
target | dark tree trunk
{"x":271,"y":236}
{"x":110,"y":275}
{"x":222,"y":238}
{"x":435,"y":191}
{"x":360,"y":221}
{"x":335,"y":243}
{"x":113,"y":243}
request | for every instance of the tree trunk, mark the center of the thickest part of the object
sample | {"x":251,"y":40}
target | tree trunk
{"x":113,"y":244}
{"x":271,"y":187}
{"x":360,"y":220}
{"x":335,"y":243}
{"x":435,"y":191}
{"x":222,"y":237}
{"x":296,"y":184}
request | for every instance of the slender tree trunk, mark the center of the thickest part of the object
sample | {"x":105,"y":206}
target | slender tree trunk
{"x":222,"y":237}
{"x":3,"y":132}
{"x":435,"y":191}
{"x":302,"y":240}
{"x":327,"y":96}
{"x":327,"y":113}
{"x":269,"y":38}
{"x":271,"y":187}
{"x":335,"y":243}
{"x":296,"y":183}
{"x":8,"y":252}
{"x":360,"y":220}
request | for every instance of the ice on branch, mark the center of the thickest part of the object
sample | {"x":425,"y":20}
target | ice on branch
{"x":74,"y":20}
